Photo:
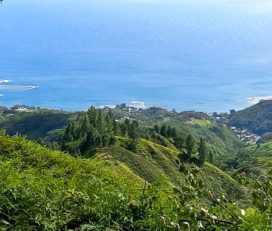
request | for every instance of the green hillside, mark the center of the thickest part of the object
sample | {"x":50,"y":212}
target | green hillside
{"x":155,"y":163}
{"x":48,"y":190}
{"x":257,"y":118}
{"x":132,"y":175}
{"x":35,"y":125}
{"x":255,"y":161}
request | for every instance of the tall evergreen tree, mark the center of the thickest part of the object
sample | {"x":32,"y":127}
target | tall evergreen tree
{"x":100,"y":122}
{"x":190,"y":145}
{"x":174,"y":133}
{"x":133,"y":135}
{"x":109,"y":121}
{"x":211,"y":157}
{"x":157,"y":129}
{"x":202,"y":151}
{"x":84,"y":128}
{"x":68,"y":134}
{"x":169,"y":132}
{"x":126,"y":127}
{"x":163,"y":130}
{"x":116,"y":128}
{"x":178,"y":142}
{"x":92,"y":114}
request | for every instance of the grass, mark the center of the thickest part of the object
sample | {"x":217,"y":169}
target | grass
{"x":201,"y":122}
{"x":48,"y":190}
{"x":156,"y":163}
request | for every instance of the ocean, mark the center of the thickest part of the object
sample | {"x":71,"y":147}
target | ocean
{"x":188,"y":55}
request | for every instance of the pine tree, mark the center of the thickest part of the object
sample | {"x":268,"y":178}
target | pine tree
{"x":126,"y":127}
{"x":169,"y":132}
{"x":174,"y":133}
{"x":92,"y":115}
{"x":109,"y":121}
{"x":179,"y":142}
{"x":133,"y":135}
{"x":163,"y":130}
{"x":116,"y":128}
{"x":211,"y":157}
{"x":123,"y":129}
{"x":157,"y":129}
{"x":84,"y":128}
{"x":202,"y":151}
{"x":100,"y":122}
{"x":190,"y":145}
{"x":68,"y":134}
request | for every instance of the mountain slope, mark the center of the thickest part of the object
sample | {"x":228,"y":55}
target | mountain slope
{"x":156,"y":163}
{"x":43,"y":189}
{"x":35,"y":124}
{"x":257,"y":118}
{"x":48,"y":190}
{"x":255,"y":161}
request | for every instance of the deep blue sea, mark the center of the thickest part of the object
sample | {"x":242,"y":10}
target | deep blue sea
{"x":189,"y":55}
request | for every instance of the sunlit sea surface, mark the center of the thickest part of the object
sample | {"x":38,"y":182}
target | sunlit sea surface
{"x":188,"y":55}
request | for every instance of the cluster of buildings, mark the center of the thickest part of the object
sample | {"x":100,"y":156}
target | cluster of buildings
{"x":246,"y":136}
{"x":130,"y":107}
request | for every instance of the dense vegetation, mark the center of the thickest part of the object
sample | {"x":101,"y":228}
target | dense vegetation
{"x":35,"y":125}
{"x":49,"y":190}
{"x":257,"y":118}
{"x":131,"y":170}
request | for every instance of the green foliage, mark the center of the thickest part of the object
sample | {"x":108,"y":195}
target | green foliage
{"x":255,"y":161}
{"x":138,"y":175}
{"x":92,"y":130}
{"x":35,"y":124}
{"x":166,"y":131}
{"x":257,"y":118}
{"x":190,"y":146}
{"x":202,"y":151}
{"x":48,"y":190}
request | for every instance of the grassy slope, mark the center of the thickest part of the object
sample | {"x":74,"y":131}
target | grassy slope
{"x":50,"y":190}
{"x":155,"y":163}
{"x":222,"y":141}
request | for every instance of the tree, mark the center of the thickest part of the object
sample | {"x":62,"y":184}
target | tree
{"x":92,"y":114}
{"x":116,"y":128}
{"x":133,"y":135}
{"x":211,"y":157}
{"x":100,"y":122}
{"x":157,"y":129}
{"x":174,"y":133}
{"x":163,"y":130}
{"x":127,"y":125}
{"x":109,"y":121}
{"x":68,"y":134}
{"x":85,"y":126}
{"x":169,"y":132}
{"x":202,"y":151}
{"x":123,"y":129}
{"x":190,"y":145}
{"x":178,"y":142}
